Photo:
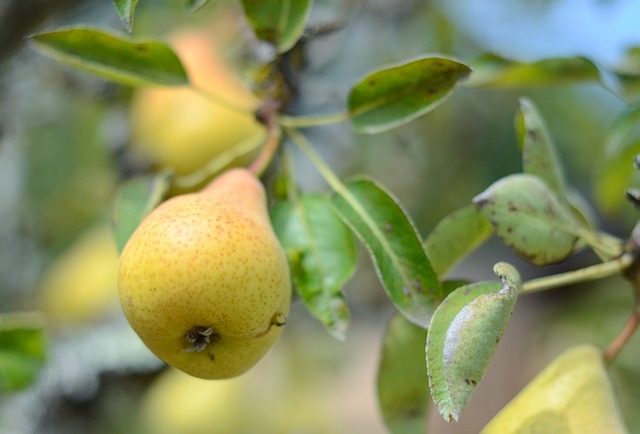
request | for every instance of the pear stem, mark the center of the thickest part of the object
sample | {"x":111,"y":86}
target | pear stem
{"x":614,"y":348}
{"x":317,"y":161}
{"x":632,"y":273}
{"x":266,"y":115}
{"x":312,"y":121}
{"x":593,"y":272}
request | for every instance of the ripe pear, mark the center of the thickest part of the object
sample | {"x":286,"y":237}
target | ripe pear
{"x":179,"y":128}
{"x":204,"y":281}
{"x":571,"y":395}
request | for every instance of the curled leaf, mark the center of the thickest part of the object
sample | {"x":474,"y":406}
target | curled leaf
{"x":463,"y":336}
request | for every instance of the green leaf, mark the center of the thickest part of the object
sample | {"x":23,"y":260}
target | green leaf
{"x":126,"y":9}
{"x":529,"y":218}
{"x":395,"y":95}
{"x":392,"y":240}
{"x":323,"y":255}
{"x":113,"y":58}
{"x":136,"y":198}
{"x":455,"y":236}
{"x":463,"y":336}
{"x":495,"y":71}
{"x":280,"y":22}
{"x":539,"y":158}
{"x":402,"y":385}
{"x":194,"y":5}
{"x":615,"y":169}
{"x":22,"y":349}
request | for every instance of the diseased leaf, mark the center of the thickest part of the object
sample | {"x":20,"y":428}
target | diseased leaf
{"x":491,"y":70}
{"x":463,"y":336}
{"x":395,"y":95}
{"x":403,"y":389}
{"x":22,"y":349}
{"x":399,"y":258}
{"x":280,"y":22}
{"x":455,"y":236}
{"x":529,"y":218}
{"x":126,"y":10}
{"x":323,"y":254}
{"x":113,"y":58}
{"x":136,"y":198}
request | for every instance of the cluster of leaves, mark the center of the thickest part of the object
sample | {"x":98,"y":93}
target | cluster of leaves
{"x":460,"y":323}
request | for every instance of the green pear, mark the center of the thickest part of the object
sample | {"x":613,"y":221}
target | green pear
{"x":571,"y":395}
{"x":204,"y":281}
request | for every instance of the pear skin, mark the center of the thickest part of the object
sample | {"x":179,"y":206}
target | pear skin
{"x":571,"y":395}
{"x":204,"y":281}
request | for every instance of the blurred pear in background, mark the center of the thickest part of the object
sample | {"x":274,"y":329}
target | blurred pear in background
{"x":79,"y":286}
{"x":183,"y":129}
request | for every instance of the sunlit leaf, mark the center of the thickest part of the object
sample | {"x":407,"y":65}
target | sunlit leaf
{"x":494,"y":71}
{"x":463,"y":336}
{"x":136,"y":198}
{"x":391,"y":238}
{"x":403,"y":388}
{"x":126,"y":9}
{"x":113,"y":58}
{"x":22,"y":349}
{"x":322,"y":253}
{"x":281,"y":22}
{"x":395,"y":95}
{"x":529,"y":218}
{"x":455,"y":236}
{"x":615,"y":169}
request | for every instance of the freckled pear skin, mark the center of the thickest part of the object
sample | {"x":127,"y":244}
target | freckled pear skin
{"x":204,"y":281}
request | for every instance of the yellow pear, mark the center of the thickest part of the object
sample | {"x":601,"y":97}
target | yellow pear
{"x":178,"y":128}
{"x":177,"y":403}
{"x":204,"y":281}
{"x":80,"y":285}
{"x":572,"y":395}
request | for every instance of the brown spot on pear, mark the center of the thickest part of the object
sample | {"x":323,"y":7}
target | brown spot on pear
{"x":204,"y":281}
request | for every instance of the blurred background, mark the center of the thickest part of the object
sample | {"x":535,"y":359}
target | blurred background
{"x":65,"y":147}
